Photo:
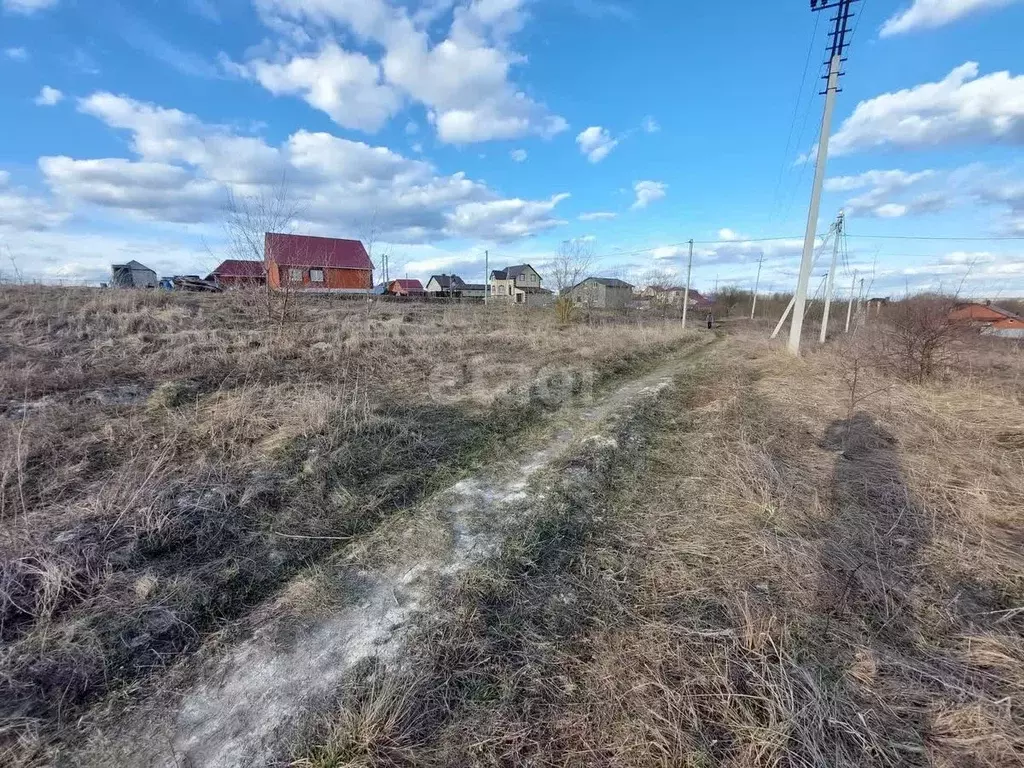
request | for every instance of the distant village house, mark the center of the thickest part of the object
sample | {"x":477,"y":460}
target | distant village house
{"x":302,"y":262}
{"x":453,"y":286}
{"x":404,"y":287}
{"x":132,"y":275}
{"x":520,"y":284}
{"x":602,"y":293}
{"x":993,"y":320}
{"x":237,"y":273}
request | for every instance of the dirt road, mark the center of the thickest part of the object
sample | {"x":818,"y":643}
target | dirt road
{"x":261,"y":691}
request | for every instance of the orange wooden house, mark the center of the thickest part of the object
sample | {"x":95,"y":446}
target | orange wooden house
{"x":302,"y":262}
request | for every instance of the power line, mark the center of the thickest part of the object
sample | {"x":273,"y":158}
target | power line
{"x":792,"y":122}
{"x":937,"y":237}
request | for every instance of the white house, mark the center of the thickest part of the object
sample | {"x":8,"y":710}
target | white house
{"x":520,"y":284}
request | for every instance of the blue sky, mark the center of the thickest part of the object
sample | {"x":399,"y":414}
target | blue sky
{"x":453,"y":126}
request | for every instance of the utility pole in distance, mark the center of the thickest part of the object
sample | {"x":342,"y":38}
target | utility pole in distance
{"x":831,"y":279}
{"x":757,"y":284}
{"x":840,"y":29}
{"x":686,"y":296}
{"x":849,"y":307}
{"x":487,"y":275}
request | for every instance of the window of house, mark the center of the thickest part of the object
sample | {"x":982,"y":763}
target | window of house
{"x":316,"y":275}
{"x":501,"y":290}
{"x":295,"y":275}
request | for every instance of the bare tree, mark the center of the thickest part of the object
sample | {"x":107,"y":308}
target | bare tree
{"x":249,"y":219}
{"x":570,"y":265}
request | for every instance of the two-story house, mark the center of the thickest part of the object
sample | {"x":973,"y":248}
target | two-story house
{"x":520,"y":285}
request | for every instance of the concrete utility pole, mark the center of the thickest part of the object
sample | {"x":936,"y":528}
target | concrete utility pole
{"x":686,"y":296}
{"x":487,"y":275}
{"x":839,"y":31}
{"x":849,"y":306}
{"x":831,"y":279}
{"x":757,"y":284}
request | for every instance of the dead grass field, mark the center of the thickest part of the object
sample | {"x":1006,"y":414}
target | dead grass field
{"x":787,"y":571}
{"x":168,"y":461}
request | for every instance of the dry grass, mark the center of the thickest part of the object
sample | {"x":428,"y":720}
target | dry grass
{"x":169,"y":460}
{"x":796,"y":574}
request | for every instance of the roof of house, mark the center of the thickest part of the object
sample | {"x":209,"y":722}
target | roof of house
{"x":445,"y":281}
{"x":533,"y":290}
{"x":474,"y":287}
{"x":238,"y":268}
{"x":323,"y":252}
{"x":407,"y":285}
{"x":512,"y":273}
{"x":132,"y":265}
{"x":610,"y":282}
{"x":998,"y":310}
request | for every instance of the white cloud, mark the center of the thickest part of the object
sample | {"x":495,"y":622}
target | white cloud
{"x":27,"y":7}
{"x":518,"y":155}
{"x":929,"y":14}
{"x":151,"y":190}
{"x":648,"y":192}
{"x":596,"y":143}
{"x":346,"y":86}
{"x":186,"y":168}
{"x":21,"y":211}
{"x":16,"y":54}
{"x":729,"y":235}
{"x":412,"y":128}
{"x":463,"y":79}
{"x":895,"y":179}
{"x":505,"y":219}
{"x":48,"y":97}
{"x":598,"y":216}
{"x":884,"y":186}
{"x":961,"y":108}
{"x":650,"y":125}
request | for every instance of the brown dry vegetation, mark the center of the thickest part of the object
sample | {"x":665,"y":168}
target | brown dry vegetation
{"x":796,"y":571}
{"x":166,"y":461}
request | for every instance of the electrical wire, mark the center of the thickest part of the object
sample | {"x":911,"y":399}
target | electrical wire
{"x":792,"y":122}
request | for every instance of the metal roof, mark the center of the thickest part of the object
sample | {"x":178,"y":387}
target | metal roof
{"x":239,"y":268}
{"x":308,"y":251}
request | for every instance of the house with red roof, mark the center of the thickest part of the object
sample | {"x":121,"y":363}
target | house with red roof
{"x":238,"y":273}
{"x":302,"y":262}
{"x":405,"y":287}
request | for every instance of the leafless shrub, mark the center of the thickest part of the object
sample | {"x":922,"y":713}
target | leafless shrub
{"x":917,"y":337}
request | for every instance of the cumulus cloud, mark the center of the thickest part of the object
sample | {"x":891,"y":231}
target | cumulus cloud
{"x":930,"y":14}
{"x":346,"y":86}
{"x":598,"y":216}
{"x":960,"y":108}
{"x":650,"y":125}
{"x":48,"y":97}
{"x":518,"y":155}
{"x":648,"y":192}
{"x":505,"y":219}
{"x":27,"y":7}
{"x":596,"y":143}
{"x":186,"y":168}
{"x":16,"y":54}
{"x":463,"y":79}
